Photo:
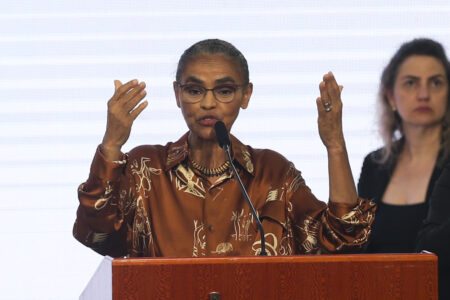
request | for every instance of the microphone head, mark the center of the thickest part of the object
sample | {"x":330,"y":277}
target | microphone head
{"x":222,"y":134}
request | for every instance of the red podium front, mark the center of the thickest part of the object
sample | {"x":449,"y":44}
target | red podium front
{"x":371,"y":276}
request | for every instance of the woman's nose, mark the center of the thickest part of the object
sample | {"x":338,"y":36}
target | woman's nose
{"x":424,"y":92}
{"x":209,"y":100}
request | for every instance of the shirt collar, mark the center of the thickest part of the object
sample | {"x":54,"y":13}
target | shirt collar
{"x":178,"y":152}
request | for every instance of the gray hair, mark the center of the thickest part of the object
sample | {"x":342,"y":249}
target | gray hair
{"x":213,"y":46}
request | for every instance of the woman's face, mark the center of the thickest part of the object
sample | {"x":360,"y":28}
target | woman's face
{"x":420,"y":92}
{"x":211,"y":71}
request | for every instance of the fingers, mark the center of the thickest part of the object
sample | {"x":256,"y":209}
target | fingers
{"x":325,"y":98}
{"x":122,"y":90}
{"x":332,"y":88}
{"x":137,"y":111}
{"x":329,"y":107}
{"x":127,"y":95}
{"x":123,"y":109}
{"x":123,"y":104}
{"x":320,"y":106}
{"x":134,"y":97}
{"x":330,"y":92}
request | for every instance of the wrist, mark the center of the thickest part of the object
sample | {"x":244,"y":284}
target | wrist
{"x":111,"y":153}
{"x":337,"y":148}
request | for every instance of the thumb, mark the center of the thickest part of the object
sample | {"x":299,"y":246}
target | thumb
{"x":117,"y":84}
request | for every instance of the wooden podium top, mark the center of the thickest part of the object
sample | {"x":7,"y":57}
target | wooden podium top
{"x":368,"y":276}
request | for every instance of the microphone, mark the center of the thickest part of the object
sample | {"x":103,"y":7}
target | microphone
{"x":222,"y":135}
{"x":224,"y":142}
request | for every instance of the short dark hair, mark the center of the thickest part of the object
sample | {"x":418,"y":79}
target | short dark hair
{"x":390,"y":122}
{"x":213,"y":46}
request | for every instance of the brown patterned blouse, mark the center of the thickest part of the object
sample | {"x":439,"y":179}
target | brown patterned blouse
{"x":154,"y":204}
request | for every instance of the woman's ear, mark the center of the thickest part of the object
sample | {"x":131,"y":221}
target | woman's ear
{"x":389,"y":95}
{"x":247,"y":93}
{"x":175,"y":90}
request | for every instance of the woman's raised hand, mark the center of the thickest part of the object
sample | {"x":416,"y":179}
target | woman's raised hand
{"x":123,"y":108}
{"x":329,"y":106}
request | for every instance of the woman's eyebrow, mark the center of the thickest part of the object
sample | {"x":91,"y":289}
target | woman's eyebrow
{"x":439,"y":75}
{"x":225,"y":79}
{"x":193,"y":79}
{"x":409,"y":76}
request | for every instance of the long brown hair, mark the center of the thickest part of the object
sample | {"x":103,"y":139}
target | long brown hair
{"x":390,"y":123}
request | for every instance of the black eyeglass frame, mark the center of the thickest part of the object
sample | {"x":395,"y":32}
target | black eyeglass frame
{"x":235,"y":86}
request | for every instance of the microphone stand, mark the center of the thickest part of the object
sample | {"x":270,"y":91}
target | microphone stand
{"x":263,"y":252}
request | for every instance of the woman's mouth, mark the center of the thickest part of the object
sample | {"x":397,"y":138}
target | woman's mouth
{"x":423,"y":109}
{"x":207,"y":121}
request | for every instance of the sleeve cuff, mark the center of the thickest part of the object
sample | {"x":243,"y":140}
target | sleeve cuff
{"x":107,"y":170}
{"x":340,"y":209}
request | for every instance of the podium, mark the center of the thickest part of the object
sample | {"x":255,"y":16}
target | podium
{"x":359,"y":276}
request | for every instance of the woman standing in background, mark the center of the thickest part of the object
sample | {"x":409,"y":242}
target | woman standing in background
{"x":400,"y":177}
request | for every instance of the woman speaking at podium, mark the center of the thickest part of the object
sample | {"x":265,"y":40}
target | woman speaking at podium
{"x":184,"y":200}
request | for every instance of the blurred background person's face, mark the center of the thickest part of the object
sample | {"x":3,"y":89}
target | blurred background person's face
{"x":420,"y":92}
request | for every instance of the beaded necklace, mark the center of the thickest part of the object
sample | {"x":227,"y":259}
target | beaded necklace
{"x":210,"y":172}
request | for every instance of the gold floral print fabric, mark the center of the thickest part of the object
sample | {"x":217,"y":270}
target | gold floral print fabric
{"x":155,"y":204}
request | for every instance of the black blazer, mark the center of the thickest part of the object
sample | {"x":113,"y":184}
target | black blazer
{"x":389,"y":236}
{"x":375,"y":177}
{"x":435,"y":233}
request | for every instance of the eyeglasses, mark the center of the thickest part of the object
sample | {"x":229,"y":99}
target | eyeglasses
{"x":193,"y":93}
